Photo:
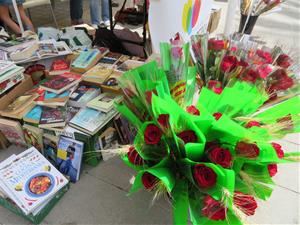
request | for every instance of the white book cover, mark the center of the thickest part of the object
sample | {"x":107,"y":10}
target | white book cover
{"x":32,"y":179}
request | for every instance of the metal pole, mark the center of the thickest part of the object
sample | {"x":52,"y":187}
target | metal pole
{"x":18,"y":15}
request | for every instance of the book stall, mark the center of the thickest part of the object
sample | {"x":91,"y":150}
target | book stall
{"x":196,"y":119}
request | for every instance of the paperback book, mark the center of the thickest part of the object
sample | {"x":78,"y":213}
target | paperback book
{"x":33,"y":136}
{"x":50,"y":143}
{"x":69,"y":157}
{"x":34,"y":115}
{"x":53,"y":117}
{"x":59,"y":66}
{"x":104,"y":102}
{"x":12,"y":130}
{"x":82,"y":95}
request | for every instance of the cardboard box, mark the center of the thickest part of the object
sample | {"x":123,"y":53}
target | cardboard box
{"x":17,"y":91}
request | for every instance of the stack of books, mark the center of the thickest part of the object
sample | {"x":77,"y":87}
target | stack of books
{"x":30,"y":181}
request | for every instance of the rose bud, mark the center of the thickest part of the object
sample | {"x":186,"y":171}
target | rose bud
{"x":284,"y":61}
{"x":221,"y":157}
{"x":152,"y":135}
{"x":264,"y":71}
{"x":245,"y":203}
{"x":134,"y":157}
{"x":193,"y":110}
{"x":188,"y":136}
{"x":228,"y":64}
{"x":266,"y":56}
{"x":217,"y":115}
{"x":215,"y":86}
{"x":204,"y":176}
{"x":163,"y":120}
{"x":252,"y":124}
{"x":272,"y":168}
{"x":216,"y":45}
{"x":279,"y":151}
{"x":281,"y":81}
{"x":213,"y":209}
{"x":247,"y":150}
{"x":149,"y":181}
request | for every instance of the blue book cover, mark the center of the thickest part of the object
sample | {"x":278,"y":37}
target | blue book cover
{"x":34,"y":114}
{"x":69,"y":157}
{"x":50,"y":95}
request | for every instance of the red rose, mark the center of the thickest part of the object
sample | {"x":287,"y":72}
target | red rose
{"x":216,"y":45}
{"x":250,"y":76}
{"x":252,"y":124}
{"x":279,"y":151}
{"x":243,"y":63}
{"x":272,"y":169}
{"x":193,"y":110}
{"x":217,"y":115}
{"x":188,"y":136}
{"x":213,"y":209}
{"x":264,"y":71}
{"x":149,"y":94}
{"x":163,"y":120}
{"x":215,"y":86}
{"x":221,"y":157}
{"x":149,"y":181}
{"x":204,"y":176}
{"x":245,"y":203}
{"x":247,"y":150}
{"x":281,"y":81}
{"x":152,"y":135}
{"x":134,"y":157}
{"x":266,"y":56}
{"x":228,"y":64}
{"x":284,"y":61}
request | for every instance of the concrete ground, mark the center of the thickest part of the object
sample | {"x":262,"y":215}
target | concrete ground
{"x":100,"y":195}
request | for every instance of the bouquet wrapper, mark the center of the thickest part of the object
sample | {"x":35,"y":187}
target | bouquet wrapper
{"x":250,"y":24}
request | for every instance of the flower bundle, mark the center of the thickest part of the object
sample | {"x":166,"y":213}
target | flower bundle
{"x":258,"y":7}
{"x":212,"y":154}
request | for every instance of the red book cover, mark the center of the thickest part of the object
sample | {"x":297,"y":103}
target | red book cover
{"x":59,"y":66}
{"x":62,"y":81}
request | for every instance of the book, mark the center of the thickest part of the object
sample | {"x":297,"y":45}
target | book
{"x":37,"y":72}
{"x":86,"y":60}
{"x":13,"y":131}
{"x":69,"y":157}
{"x":104,"y":102}
{"x":51,"y":99}
{"x":108,"y":140}
{"x":110,"y":58}
{"x":90,"y":120}
{"x":20,"y":106}
{"x":59,"y":66}
{"x":50,"y":143}
{"x":5,"y":66}
{"x":11,"y":82}
{"x":30,"y":180}
{"x":53,"y":117}
{"x":129,"y":65}
{"x":33,"y":136}
{"x":61,"y":83}
{"x":13,"y":45}
{"x":34,"y":115}
{"x":99,"y":73}
{"x":82,"y":95}
{"x":7,"y":74}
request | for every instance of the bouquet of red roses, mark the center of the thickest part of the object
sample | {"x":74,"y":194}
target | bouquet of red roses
{"x":210,"y":152}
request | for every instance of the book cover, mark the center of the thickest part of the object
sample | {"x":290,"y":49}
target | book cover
{"x":53,"y":116}
{"x":98,"y":72}
{"x":34,"y":115}
{"x":59,"y":66}
{"x":9,"y":83}
{"x":69,"y":157}
{"x":5,"y":66}
{"x":31,"y":179}
{"x":61,"y":82}
{"x":12,"y":130}
{"x":83,"y":94}
{"x":104,"y":102}
{"x":50,"y":143}
{"x":86,"y":60}
{"x":33,"y":136}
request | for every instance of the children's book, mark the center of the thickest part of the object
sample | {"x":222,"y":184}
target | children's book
{"x":90,"y":120}
{"x":31,"y":180}
{"x":12,"y":130}
{"x":82,"y":95}
{"x":53,"y":117}
{"x":33,"y":136}
{"x":86,"y":60}
{"x":69,"y":157}
{"x":104,"y":102}
{"x":61,"y":83}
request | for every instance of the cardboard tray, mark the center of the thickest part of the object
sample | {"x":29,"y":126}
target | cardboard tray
{"x":39,"y":217}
